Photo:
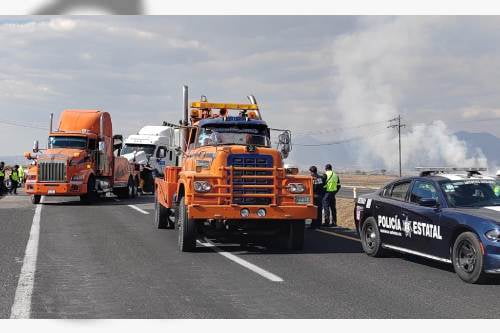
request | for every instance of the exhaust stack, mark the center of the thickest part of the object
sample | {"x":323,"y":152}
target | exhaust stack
{"x":185,"y":121}
{"x":51,"y":122}
{"x":252,"y":99}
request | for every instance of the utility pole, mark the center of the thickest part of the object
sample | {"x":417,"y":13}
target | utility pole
{"x":396,"y":123}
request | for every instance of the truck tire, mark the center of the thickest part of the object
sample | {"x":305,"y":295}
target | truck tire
{"x":467,"y":258}
{"x":187,"y":229}
{"x":91,"y":194}
{"x":296,"y":235}
{"x":370,"y":238}
{"x":161,"y":215}
{"x":128,"y":192}
{"x":35,"y":199}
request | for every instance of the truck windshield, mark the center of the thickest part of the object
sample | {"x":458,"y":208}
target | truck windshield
{"x":235,"y":135}
{"x":67,"y":142}
{"x":133,"y":148}
{"x":471,"y":193}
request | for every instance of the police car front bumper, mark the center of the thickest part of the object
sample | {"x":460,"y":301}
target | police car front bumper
{"x":491,"y":257}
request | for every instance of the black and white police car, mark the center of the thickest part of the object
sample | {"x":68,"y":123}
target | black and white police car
{"x":447,"y":214}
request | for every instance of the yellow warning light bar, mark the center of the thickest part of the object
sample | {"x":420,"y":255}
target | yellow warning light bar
{"x":229,"y":106}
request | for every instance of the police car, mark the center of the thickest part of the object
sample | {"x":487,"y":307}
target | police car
{"x":450,"y":215}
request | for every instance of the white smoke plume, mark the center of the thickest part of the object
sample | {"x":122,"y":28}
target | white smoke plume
{"x":374,"y":67}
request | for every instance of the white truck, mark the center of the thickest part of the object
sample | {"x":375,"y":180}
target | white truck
{"x":153,"y":148}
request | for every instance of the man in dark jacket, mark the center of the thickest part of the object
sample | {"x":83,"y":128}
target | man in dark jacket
{"x":332,"y":186}
{"x":14,"y":180}
{"x":318,"y":191}
{"x":2,"y":177}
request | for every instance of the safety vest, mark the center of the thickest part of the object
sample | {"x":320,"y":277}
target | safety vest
{"x":14,"y":176}
{"x":21,"y":172}
{"x":2,"y":174}
{"x":332,"y":181}
{"x":497,"y":190}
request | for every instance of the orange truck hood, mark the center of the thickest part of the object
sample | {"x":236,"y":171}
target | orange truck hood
{"x":61,"y":154}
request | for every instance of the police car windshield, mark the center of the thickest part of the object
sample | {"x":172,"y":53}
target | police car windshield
{"x":471,"y":193}
{"x":67,"y":142}
{"x":133,"y":148}
{"x":234,"y":135}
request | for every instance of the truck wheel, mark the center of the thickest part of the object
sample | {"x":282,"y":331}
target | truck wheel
{"x":187,"y":229}
{"x":468,"y":258}
{"x":370,"y":238}
{"x":35,"y":199}
{"x":161,"y":215}
{"x":296,"y":235}
{"x":91,"y":194}
{"x":131,"y":189}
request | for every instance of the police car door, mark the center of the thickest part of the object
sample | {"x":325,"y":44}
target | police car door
{"x":422,"y":230}
{"x":387,"y":211}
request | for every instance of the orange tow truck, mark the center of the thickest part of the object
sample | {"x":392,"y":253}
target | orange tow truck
{"x":82,"y":159}
{"x":231,"y":181}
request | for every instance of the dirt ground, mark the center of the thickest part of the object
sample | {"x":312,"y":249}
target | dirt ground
{"x":365,"y":180}
{"x":345,"y":213}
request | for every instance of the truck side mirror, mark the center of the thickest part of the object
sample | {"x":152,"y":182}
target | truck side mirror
{"x":101,"y":146}
{"x":285,"y":143}
{"x":162,"y":153}
{"x":36,"y":145}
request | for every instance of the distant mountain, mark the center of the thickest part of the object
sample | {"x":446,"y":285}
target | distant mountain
{"x":488,"y":143}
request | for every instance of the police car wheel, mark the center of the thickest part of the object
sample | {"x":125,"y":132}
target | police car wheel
{"x":370,"y":238}
{"x":468,"y":258}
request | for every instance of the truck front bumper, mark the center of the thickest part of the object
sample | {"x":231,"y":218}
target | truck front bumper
{"x":56,"y":189}
{"x":233,"y":212}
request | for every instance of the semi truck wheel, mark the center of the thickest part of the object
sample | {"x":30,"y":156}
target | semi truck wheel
{"x":296,"y":235}
{"x":91,"y":194}
{"x":35,"y":199}
{"x":161,"y":215}
{"x":187,"y":229}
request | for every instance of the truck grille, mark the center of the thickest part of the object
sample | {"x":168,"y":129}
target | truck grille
{"x":53,"y":171}
{"x":251,"y":161}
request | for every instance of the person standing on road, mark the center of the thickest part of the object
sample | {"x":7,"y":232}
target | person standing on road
{"x":318,"y":192}
{"x":2,"y":177}
{"x":21,"y":175}
{"x":14,"y":180}
{"x":332,"y":186}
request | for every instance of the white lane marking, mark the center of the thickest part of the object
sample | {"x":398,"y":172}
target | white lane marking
{"x":21,"y":309}
{"x":242,"y":262}
{"x":338,"y":235}
{"x":138,"y":209}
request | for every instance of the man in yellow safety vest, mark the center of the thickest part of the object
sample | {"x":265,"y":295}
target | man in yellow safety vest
{"x":2,"y":177}
{"x":14,"y":180}
{"x":332,"y":186}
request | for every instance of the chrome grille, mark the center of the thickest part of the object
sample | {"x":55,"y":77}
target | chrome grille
{"x":251,"y":161}
{"x":53,"y":171}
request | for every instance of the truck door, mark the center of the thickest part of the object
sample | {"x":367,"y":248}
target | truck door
{"x":423,"y":231}
{"x":388,"y":212}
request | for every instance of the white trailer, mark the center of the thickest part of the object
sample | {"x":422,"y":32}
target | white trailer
{"x":153,"y":148}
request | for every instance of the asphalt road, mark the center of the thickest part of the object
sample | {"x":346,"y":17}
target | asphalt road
{"x":107,"y":261}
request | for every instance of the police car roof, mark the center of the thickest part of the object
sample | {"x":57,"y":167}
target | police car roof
{"x":229,"y":121}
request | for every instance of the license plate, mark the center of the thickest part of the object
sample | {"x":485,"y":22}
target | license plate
{"x":52,"y":192}
{"x":302,"y":200}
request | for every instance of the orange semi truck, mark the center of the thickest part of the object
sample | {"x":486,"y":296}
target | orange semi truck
{"x":231,"y":181}
{"x":82,"y":159}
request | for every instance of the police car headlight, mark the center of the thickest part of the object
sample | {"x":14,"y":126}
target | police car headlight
{"x":202,"y":186}
{"x":296,"y":188}
{"x":493,"y":235}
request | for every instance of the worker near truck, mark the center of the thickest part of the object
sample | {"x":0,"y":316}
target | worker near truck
{"x":319,"y":181}
{"x":497,"y":185}
{"x":2,"y":177}
{"x":21,"y":175}
{"x":332,"y":186}
{"x":14,"y":180}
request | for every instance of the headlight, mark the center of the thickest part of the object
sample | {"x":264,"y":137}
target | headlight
{"x":77,"y":178}
{"x":202,"y":186}
{"x":296,"y":188}
{"x":493,"y":235}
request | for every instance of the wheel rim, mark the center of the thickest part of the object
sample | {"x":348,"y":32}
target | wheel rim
{"x":370,"y":237}
{"x":466,"y":257}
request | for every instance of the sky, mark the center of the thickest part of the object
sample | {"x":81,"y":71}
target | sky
{"x":326,"y":77}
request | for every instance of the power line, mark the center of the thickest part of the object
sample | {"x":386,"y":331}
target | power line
{"x":336,"y":129}
{"x":22,"y":125}
{"x":357,"y":138}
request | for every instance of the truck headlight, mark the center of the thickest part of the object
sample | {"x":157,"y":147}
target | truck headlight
{"x":78,"y":178}
{"x":202,"y":186}
{"x":493,"y":235}
{"x":296,"y":188}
